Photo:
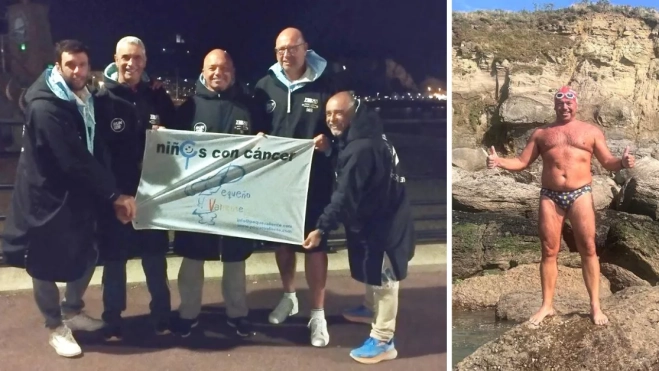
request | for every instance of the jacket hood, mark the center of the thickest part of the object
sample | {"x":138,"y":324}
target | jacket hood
{"x":365,"y":124}
{"x":50,"y":85}
{"x":111,"y":76}
{"x":315,"y":63}
{"x":203,"y":91}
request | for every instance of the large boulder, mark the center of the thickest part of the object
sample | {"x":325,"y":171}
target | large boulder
{"x":573,"y":342}
{"x":605,"y":190}
{"x":620,"y":278}
{"x":469,"y":159}
{"x":490,"y":190}
{"x":526,"y":110}
{"x":640,"y":192}
{"x":633,"y":243}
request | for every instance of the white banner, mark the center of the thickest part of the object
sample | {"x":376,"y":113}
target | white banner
{"x":232,"y":185}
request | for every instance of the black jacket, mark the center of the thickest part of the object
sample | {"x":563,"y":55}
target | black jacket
{"x":150,"y":107}
{"x":227,"y":112}
{"x":50,"y":226}
{"x":303,"y":118}
{"x":154,"y":106}
{"x":371,"y":201}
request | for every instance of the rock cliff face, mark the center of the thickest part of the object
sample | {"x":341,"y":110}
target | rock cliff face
{"x":506,"y":67}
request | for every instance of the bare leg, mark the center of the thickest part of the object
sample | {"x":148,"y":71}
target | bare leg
{"x":550,"y":225}
{"x":286,"y":262}
{"x":315,"y":270}
{"x":582,"y":217}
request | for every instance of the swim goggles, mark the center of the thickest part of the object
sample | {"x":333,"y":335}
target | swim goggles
{"x":568,"y":95}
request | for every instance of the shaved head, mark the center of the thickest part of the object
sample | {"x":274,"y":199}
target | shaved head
{"x":291,"y":50}
{"x":289,"y":35}
{"x":218,"y":70}
{"x":339,"y":112}
{"x":343,"y":100}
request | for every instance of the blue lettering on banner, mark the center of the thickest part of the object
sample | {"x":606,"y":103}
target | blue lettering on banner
{"x":211,"y":185}
{"x":207,"y":208}
{"x":264,"y":226}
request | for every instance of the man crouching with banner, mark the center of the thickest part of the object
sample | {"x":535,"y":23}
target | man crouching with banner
{"x":218,"y":106}
{"x":371,"y":201}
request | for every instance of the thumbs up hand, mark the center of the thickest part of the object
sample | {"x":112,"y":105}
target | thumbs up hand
{"x":627,"y":159}
{"x":492,"y":159}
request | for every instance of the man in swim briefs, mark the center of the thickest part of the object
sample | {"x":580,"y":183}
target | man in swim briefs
{"x":566,"y":148}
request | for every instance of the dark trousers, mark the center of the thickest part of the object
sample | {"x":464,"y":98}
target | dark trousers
{"x":114,"y":288}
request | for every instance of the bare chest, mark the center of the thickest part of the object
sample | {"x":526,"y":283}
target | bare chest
{"x":564,"y":137}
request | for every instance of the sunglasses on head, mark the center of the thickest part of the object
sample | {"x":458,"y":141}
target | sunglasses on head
{"x":568,"y":95}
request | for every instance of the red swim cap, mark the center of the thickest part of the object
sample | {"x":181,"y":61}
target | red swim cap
{"x":565,"y":92}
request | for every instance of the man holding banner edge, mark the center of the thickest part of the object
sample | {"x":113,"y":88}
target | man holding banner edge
{"x":371,"y":201}
{"x":293,"y":95}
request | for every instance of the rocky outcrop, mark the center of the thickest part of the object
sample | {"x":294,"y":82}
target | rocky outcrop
{"x":503,"y":87}
{"x":503,"y":90}
{"x":572,"y":342}
{"x":485,"y":241}
{"x":520,"y":306}
{"x":486,"y":291}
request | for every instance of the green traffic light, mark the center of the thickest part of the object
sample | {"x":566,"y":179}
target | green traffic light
{"x":23,"y":47}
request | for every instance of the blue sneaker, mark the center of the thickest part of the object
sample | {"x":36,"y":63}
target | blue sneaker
{"x":361,"y":314}
{"x":374,"y":351}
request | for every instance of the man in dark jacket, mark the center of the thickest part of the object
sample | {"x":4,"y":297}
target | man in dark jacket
{"x":126,"y":79}
{"x":218,"y":106}
{"x":50,"y":226}
{"x":371,"y":202}
{"x":293,"y":95}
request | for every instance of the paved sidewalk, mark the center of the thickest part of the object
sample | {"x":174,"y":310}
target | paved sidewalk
{"x":421,"y":335}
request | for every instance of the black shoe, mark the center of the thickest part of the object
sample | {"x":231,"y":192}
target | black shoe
{"x":112,"y":332}
{"x":242,"y":325}
{"x":184,"y":327}
{"x":162,"y":327}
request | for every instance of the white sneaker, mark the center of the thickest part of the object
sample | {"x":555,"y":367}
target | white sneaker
{"x":83,"y":322}
{"x":319,"y":333}
{"x":287,"y":307}
{"x":62,"y":340}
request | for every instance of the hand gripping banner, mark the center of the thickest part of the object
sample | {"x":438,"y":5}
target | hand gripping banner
{"x":232,"y":185}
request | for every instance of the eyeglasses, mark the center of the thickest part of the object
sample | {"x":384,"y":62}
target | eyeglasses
{"x":568,"y":95}
{"x":292,"y":50}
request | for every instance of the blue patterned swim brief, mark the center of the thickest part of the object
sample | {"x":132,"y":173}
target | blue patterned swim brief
{"x":565,"y":199}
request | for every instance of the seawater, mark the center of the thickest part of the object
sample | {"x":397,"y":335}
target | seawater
{"x":472,"y":329}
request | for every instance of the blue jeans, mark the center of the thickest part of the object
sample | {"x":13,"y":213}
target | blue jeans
{"x":114,"y":288}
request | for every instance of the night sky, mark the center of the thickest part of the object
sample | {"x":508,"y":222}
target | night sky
{"x":412,"y":32}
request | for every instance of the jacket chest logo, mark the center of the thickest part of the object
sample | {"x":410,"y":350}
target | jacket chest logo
{"x":241,"y":125}
{"x":200,"y":127}
{"x":270,"y":106}
{"x":154,"y":119}
{"x":117,"y":125}
{"x":310,"y":104}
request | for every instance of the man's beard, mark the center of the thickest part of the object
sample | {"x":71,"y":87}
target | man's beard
{"x":71,"y":84}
